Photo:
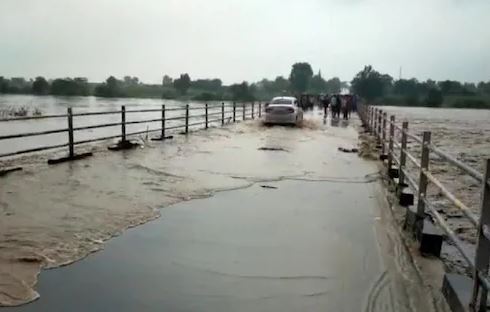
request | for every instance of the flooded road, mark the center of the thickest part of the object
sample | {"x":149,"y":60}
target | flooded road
{"x":252,"y":218}
{"x":248,"y":250}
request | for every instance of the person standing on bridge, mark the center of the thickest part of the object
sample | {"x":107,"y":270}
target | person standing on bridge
{"x":334,"y":105}
{"x":325,"y":102}
{"x":343,"y":107}
{"x":348,"y":103}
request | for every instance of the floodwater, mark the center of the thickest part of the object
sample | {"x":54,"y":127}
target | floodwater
{"x":464,"y":134}
{"x":51,"y":105}
{"x":225,"y":239}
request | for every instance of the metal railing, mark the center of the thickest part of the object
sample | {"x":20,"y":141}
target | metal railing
{"x":375,"y":120}
{"x":168,"y":118}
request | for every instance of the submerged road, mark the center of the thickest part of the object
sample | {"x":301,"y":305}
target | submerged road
{"x":275,"y":219}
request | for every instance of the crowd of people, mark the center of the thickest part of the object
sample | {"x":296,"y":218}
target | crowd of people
{"x":340,"y":104}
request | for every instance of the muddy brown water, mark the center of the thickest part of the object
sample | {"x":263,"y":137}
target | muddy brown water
{"x":57,"y":105}
{"x":464,"y":134}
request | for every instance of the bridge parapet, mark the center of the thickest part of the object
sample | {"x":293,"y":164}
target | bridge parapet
{"x":462,"y":292}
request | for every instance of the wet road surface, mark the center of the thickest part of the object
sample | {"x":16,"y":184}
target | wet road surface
{"x":223,"y":242}
{"x":306,"y":246}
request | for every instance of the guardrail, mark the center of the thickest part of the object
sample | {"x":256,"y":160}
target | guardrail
{"x":168,"y":118}
{"x":376,"y":122}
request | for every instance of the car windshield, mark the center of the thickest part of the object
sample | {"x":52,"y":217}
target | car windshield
{"x":282,"y":101}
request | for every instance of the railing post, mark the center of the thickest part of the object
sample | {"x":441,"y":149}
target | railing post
{"x":403,"y":156}
{"x":234,"y":111}
{"x":123,"y":123}
{"x":424,"y":165}
{"x":163,"y":122}
{"x":244,"y":117}
{"x":222,"y":113}
{"x":187,"y":118}
{"x":375,"y":128}
{"x":367,"y":111}
{"x":383,"y":140}
{"x":368,"y":117}
{"x":71,"y":149}
{"x":372,"y":120}
{"x":260,"y":109}
{"x":206,"y":115}
{"x":380,"y":116}
{"x":253,"y":108}
{"x":483,"y":245}
{"x":391,"y":139}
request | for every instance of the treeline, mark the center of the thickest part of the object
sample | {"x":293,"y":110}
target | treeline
{"x":383,"y":89}
{"x":40,"y":86}
{"x":301,"y":80}
{"x":370,"y":84}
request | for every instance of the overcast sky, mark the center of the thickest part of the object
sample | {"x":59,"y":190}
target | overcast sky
{"x":240,"y":40}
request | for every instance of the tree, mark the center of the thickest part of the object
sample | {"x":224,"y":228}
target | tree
{"x":406,"y":87}
{"x":434,"y":98}
{"x":131,"y":81}
{"x":40,"y":86}
{"x":167,"y":81}
{"x":484,"y":87}
{"x":266,"y":89}
{"x":241,"y":92}
{"x":450,"y":87}
{"x":300,"y":77}
{"x":318,"y":84}
{"x":470,"y":88}
{"x":69,"y":86}
{"x":110,"y":88}
{"x":370,"y":84}
{"x":182,"y":84}
{"x":211,"y":85}
{"x":4,"y":84}
{"x":333,"y":85}
{"x":16,"y":85}
{"x":281,"y":84}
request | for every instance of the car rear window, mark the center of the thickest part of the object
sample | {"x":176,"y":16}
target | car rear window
{"x":282,"y":101}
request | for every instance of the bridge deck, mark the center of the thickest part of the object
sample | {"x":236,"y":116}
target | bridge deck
{"x":298,"y":228}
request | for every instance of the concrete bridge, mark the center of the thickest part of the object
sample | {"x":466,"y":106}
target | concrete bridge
{"x":245,"y":218}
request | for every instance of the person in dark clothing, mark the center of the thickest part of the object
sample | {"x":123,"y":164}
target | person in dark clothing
{"x":354,"y":103}
{"x":325,"y":102}
{"x":348,"y":106}
{"x":338,"y":107}
{"x":335,"y":106}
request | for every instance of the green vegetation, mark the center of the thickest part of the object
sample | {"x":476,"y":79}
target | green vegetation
{"x":300,"y":77}
{"x":40,"y":86}
{"x":182,"y":84}
{"x":371,"y":84}
{"x":381,"y":89}
{"x":68,"y":86}
{"x":375,"y":87}
{"x":110,"y":88}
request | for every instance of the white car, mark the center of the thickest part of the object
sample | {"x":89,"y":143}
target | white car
{"x":283,"y":110}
